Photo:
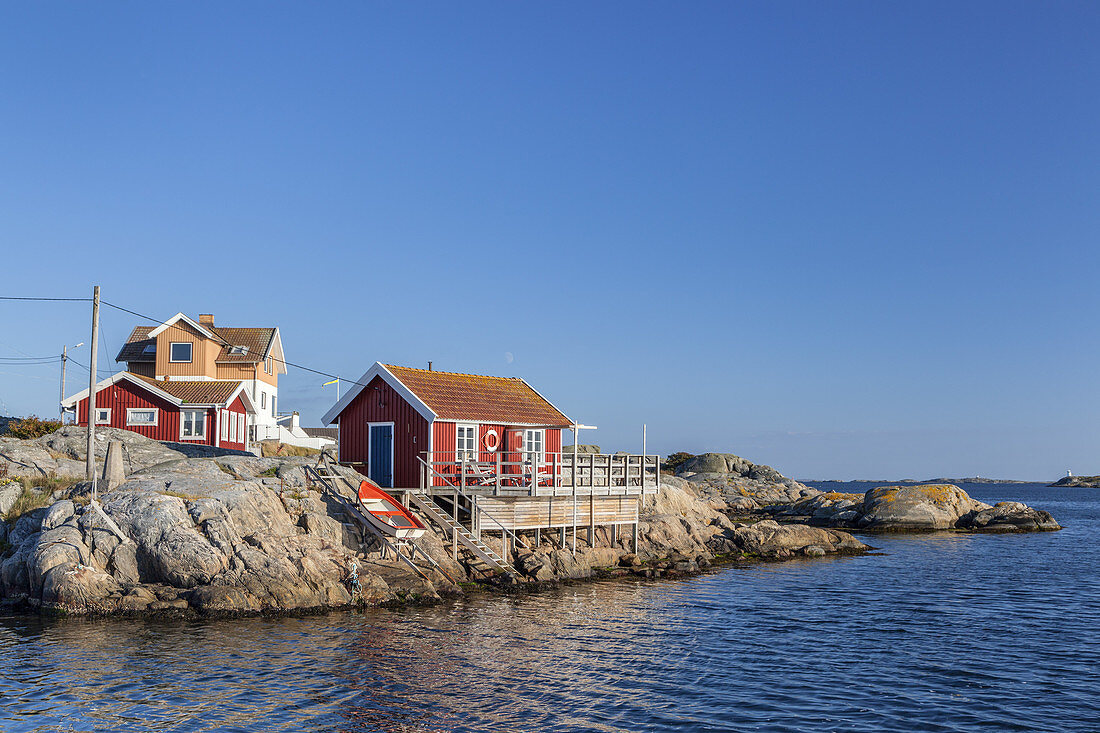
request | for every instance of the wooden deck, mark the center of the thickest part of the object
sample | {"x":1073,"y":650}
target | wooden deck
{"x":554,"y":475}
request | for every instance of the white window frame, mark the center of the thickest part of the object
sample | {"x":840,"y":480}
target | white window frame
{"x":199,"y":436}
{"x":242,"y":428}
{"x":99,"y":410}
{"x":223,"y":427}
{"x":130,"y":422}
{"x":263,"y":400}
{"x":460,"y":451}
{"x":171,"y":355}
{"x":527,"y":452}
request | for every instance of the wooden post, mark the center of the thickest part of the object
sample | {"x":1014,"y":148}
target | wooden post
{"x":496,"y":482}
{"x":475,"y":522}
{"x":591,"y":520}
{"x":538,"y":537}
{"x":635,"y":535}
{"x":614,"y":535}
{"x":574,"y":525}
{"x":576,"y":433}
{"x":90,"y":467}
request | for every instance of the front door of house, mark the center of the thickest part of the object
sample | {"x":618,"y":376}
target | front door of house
{"x":380,"y":467}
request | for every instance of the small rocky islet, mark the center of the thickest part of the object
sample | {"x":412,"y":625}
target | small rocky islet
{"x":202,"y":531}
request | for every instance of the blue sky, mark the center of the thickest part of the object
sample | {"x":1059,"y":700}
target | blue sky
{"x":845,"y":239}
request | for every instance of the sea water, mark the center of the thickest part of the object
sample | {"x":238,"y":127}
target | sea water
{"x":938,"y":632}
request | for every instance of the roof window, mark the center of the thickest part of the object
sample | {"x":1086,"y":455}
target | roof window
{"x":238,"y":349}
{"x":150,"y":348}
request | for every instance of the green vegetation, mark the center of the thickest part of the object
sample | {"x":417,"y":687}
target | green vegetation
{"x":32,"y":427}
{"x":38,"y":491}
{"x":272,"y":472}
{"x":675,"y":460}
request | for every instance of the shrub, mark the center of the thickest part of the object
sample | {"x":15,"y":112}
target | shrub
{"x":32,"y":427}
{"x":675,"y":460}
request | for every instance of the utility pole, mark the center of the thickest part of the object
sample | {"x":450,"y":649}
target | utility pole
{"x":64,"y":360}
{"x":90,"y":473}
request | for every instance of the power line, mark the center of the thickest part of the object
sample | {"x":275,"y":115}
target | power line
{"x":151,"y":319}
{"x":226,"y":343}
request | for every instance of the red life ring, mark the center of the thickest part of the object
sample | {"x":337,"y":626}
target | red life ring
{"x":491,"y":440}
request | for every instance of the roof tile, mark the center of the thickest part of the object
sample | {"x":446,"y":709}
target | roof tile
{"x":453,"y":396}
{"x":194,"y":392}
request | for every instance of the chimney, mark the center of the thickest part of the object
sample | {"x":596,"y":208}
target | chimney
{"x":206,"y":319}
{"x":429,"y":366}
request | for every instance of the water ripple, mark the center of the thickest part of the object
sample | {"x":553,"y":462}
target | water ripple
{"x":937,"y":633}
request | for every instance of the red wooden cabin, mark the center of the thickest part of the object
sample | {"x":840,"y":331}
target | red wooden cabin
{"x":396,"y":419}
{"x":206,"y":412}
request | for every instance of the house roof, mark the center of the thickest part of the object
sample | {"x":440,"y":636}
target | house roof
{"x":332,"y":433}
{"x":195,"y":393}
{"x":178,"y":392}
{"x":134,"y":348}
{"x":453,"y":396}
{"x":257,"y":340}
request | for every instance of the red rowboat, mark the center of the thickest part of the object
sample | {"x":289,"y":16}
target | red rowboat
{"x":387,"y":514}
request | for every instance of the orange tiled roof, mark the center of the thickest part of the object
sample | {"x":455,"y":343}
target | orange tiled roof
{"x":194,"y":392}
{"x":258,"y":340}
{"x":452,"y":396}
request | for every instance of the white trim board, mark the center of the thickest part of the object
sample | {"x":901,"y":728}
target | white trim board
{"x":176,"y":319}
{"x":378,"y":370}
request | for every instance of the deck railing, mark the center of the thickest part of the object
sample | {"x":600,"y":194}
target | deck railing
{"x":544,"y":473}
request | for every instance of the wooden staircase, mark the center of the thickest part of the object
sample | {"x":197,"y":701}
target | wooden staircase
{"x":484,"y":557}
{"x":324,"y":473}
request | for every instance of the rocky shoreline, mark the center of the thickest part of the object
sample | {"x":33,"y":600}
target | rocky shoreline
{"x":236,"y":534}
{"x":1078,"y":482}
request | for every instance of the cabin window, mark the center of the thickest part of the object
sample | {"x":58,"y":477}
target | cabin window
{"x":263,"y":400}
{"x":466,"y":443}
{"x":136,"y":416}
{"x":267,"y":365}
{"x":224,"y":426}
{"x":533,"y":445}
{"x":193,"y":424}
{"x":180,"y":352}
{"x":103,"y":416}
{"x":242,"y":425}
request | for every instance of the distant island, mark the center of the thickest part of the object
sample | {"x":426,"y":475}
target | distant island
{"x":1088,"y":482}
{"x":941,"y":480}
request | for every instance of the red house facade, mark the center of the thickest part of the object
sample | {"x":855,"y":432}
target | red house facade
{"x":215,"y":413}
{"x":396,"y":419}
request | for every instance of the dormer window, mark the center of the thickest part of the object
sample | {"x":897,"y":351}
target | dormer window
{"x":180,"y":352}
{"x":239,"y":350}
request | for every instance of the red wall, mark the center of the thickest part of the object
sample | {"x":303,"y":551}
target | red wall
{"x":238,"y":407}
{"x":122,"y":395}
{"x":444,"y":435}
{"x":378,"y":402}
